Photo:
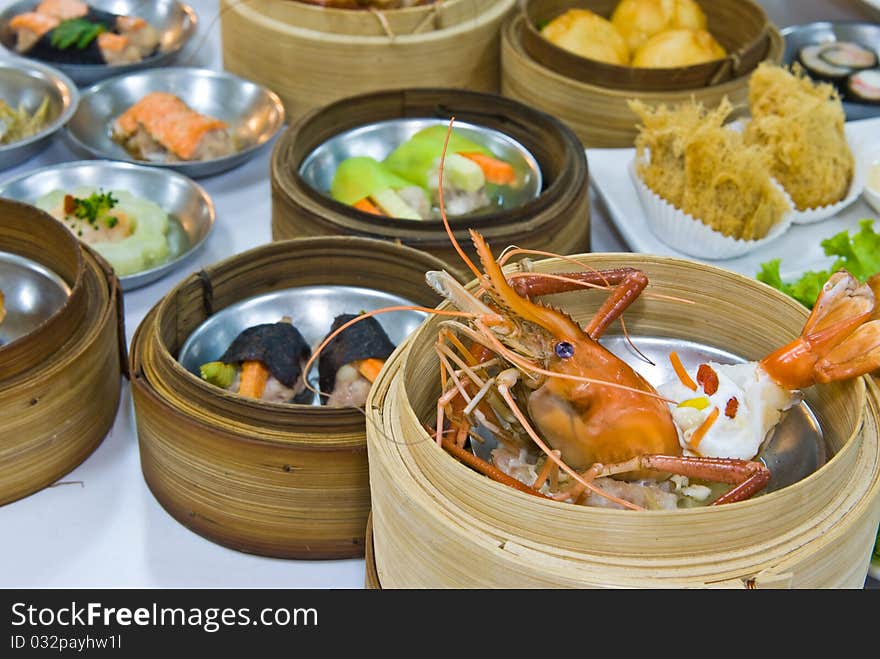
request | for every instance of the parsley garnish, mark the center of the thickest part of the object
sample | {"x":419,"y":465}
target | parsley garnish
{"x":76,"y":31}
{"x":90,"y":208}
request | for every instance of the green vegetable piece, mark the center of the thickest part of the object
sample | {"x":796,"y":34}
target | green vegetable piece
{"x":461,"y":173}
{"x":76,"y":31}
{"x":392,"y":205}
{"x":859,"y":254}
{"x":414,"y":159}
{"x":218,"y":374}
{"x":360,"y":177}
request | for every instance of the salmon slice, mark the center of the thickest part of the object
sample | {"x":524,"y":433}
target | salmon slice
{"x":170,"y":122}
{"x":63,"y":10}
{"x":29,"y":27}
{"x":118,"y":49}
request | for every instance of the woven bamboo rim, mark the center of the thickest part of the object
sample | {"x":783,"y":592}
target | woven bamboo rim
{"x":740,"y":26}
{"x":371,"y":575}
{"x":437,"y":523}
{"x":278,"y":480}
{"x":387,"y":23}
{"x":557,"y":221}
{"x":55,"y":413}
{"x":260,"y":40}
{"x":598,"y":115}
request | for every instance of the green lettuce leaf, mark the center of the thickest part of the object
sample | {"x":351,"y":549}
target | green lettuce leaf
{"x":858,"y":253}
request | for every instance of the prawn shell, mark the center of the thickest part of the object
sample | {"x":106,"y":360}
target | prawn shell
{"x":364,"y":340}
{"x":278,"y":346}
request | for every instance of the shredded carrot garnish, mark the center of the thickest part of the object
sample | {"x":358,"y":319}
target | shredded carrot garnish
{"x":496,"y":171}
{"x":367,"y":206}
{"x":681,"y":372}
{"x":253,"y":379}
{"x":369,"y":368}
{"x":700,"y":432}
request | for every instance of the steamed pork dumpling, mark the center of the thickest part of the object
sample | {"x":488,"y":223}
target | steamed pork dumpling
{"x":675,"y":48}
{"x":639,"y":20}
{"x":589,"y":35}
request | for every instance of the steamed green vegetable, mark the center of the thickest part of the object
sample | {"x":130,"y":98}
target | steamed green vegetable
{"x":360,"y":177}
{"x":858,"y":253}
{"x":218,"y":373}
{"x":415,"y":158}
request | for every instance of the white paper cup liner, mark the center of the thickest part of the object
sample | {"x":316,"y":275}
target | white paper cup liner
{"x":688,"y":235}
{"x":856,"y":186}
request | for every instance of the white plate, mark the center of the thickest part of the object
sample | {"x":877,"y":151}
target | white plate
{"x":799,"y":248}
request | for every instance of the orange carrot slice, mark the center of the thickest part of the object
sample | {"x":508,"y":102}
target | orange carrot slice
{"x":496,"y":171}
{"x":369,"y":368}
{"x":253,"y":379}
{"x":367,"y":206}
{"x":700,"y":432}
{"x":681,"y":372}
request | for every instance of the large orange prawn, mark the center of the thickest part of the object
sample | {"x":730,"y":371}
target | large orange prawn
{"x":527,"y":372}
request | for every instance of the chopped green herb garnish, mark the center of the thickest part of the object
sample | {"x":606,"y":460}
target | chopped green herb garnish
{"x":858,"y":253}
{"x":91,"y":207}
{"x":112,"y":221}
{"x":75,"y":32}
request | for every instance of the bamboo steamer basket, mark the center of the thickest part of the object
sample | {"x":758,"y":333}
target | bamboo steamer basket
{"x":557,"y":221}
{"x":59,"y":384}
{"x":599,"y":115}
{"x":288,"y":481}
{"x":740,"y":26}
{"x":311,"y":56}
{"x":437,"y":523}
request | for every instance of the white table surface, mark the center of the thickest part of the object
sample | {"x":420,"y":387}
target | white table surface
{"x":103,"y":528}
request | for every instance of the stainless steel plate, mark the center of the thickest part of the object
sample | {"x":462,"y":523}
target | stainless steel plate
{"x":32,"y":293}
{"x":189,"y":207}
{"x":175,"y":22}
{"x":312,"y":309}
{"x":795,"y":449}
{"x":254,"y":113}
{"x":379,"y":139}
{"x":25,"y":83}
{"x":867,"y":34}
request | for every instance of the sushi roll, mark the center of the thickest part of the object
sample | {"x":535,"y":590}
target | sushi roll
{"x":835,"y":60}
{"x":864,"y":86}
{"x":350,"y":362}
{"x":264,"y":362}
{"x":162,"y":128}
{"x":811,"y":59}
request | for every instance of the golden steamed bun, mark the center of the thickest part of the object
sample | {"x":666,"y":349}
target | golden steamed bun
{"x":589,"y":35}
{"x":639,"y":20}
{"x":675,"y":48}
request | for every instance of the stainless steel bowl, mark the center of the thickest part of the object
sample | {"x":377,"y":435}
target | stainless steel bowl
{"x":312,"y":310}
{"x":254,"y":114}
{"x":32,"y":293}
{"x":26,"y":83}
{"x":189,"y":207}
{"x":867,"y":34}
{"x":175,"y":22}
{"x":379,"y":139}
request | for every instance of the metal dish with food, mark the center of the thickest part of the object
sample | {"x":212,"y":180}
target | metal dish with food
{"x":38,"y":96}
{"x":227,"y":119}
{"x":30,"y":294}
{"x":185,"y":212}
{"x":312,"y":311}
{"x":485,"y":170}
{"x":67,"y":34}
{"x":855,"y":56}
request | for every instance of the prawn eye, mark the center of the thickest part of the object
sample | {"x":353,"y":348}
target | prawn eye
{"x":564,"y":350}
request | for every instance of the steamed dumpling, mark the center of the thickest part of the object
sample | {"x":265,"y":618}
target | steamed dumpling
{"x":639,"y":20}
{"x":675,"y":48}
{"x":589,"y":35}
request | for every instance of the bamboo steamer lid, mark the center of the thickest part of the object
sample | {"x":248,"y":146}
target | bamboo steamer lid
{"x":311,"y":56}
{"x":557,"y":221}
{"x":280,"y":480}
{"x":436,"y":523}
{"x":600,"y":116}
{"x":741,"y":27}
{"x":59,"y":384}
